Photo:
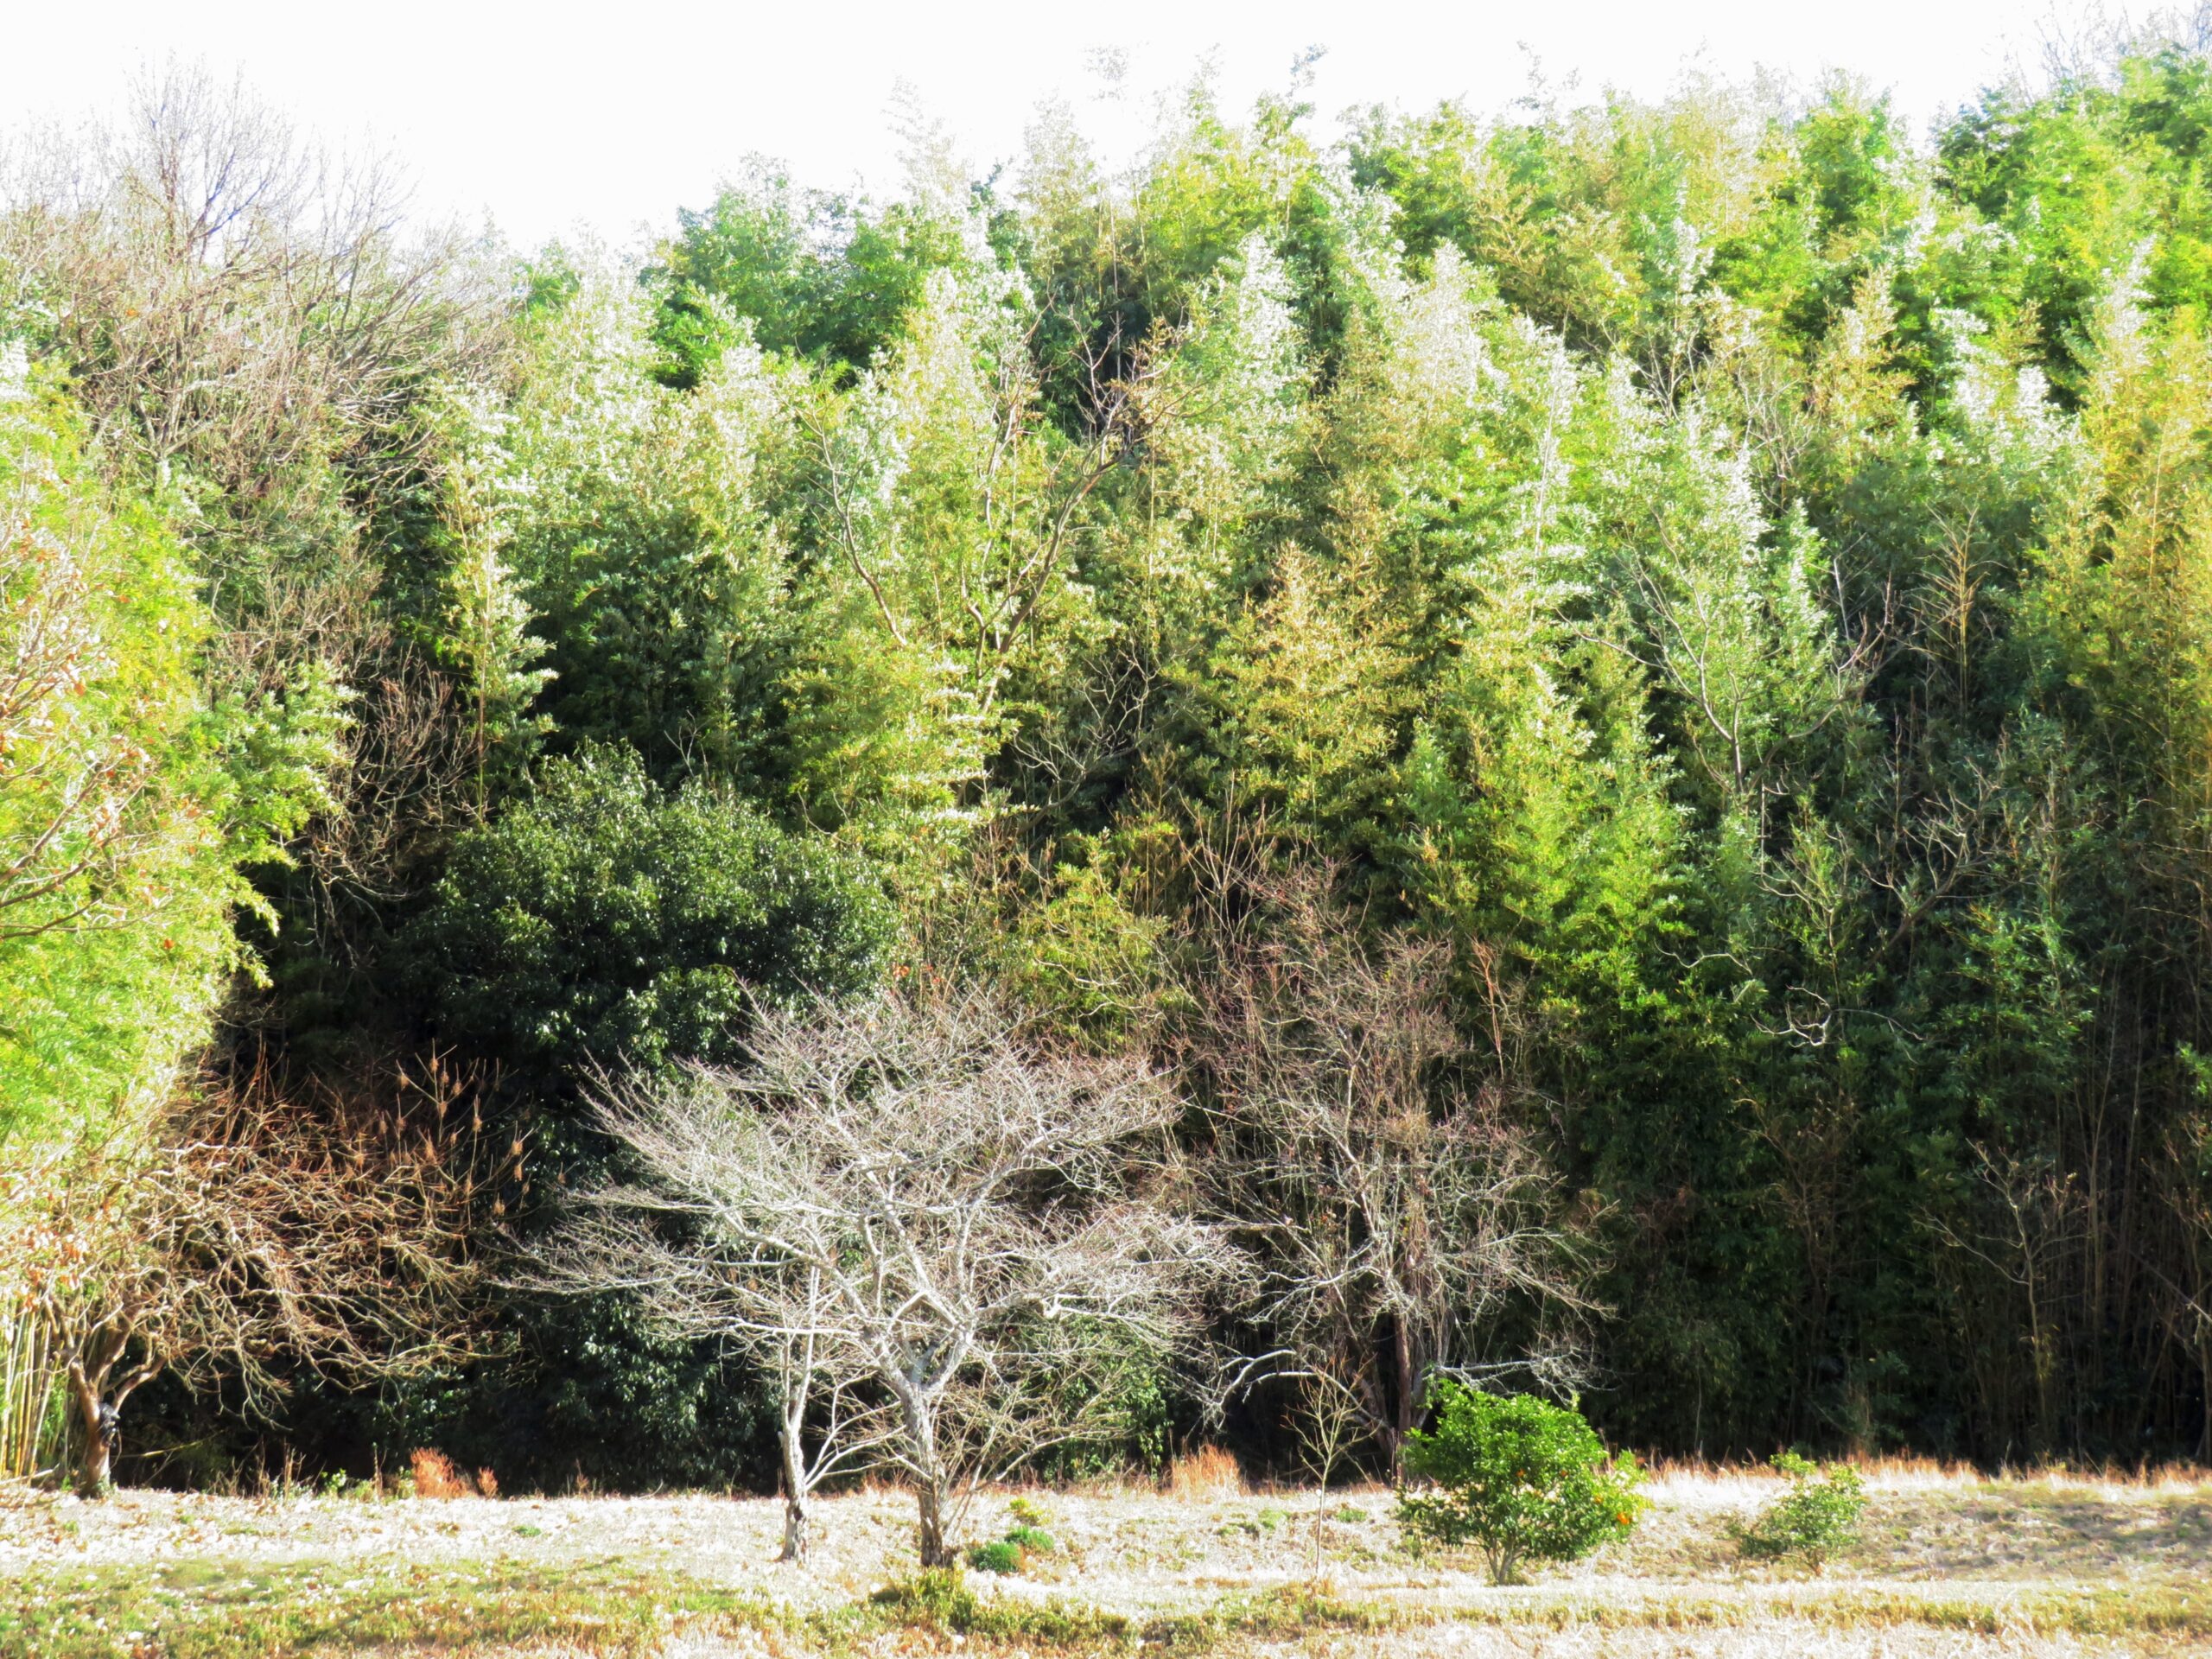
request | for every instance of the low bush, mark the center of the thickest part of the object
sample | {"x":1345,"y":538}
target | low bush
{"x":997,"y":1557}
{"x":1033,"y":1541}
{"x":1816,"y":1518}
{"x":1518,"y":1477}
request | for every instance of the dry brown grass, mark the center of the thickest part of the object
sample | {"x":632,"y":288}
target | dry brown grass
{"x":1899,"y":1474}
{"x":1208,"y":1473}
{"x":434,"y":1476}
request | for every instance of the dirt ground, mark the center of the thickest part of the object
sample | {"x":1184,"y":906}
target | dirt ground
{"x":1949,"y":1564}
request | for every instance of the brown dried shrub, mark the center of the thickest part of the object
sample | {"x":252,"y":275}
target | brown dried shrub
{"x":436,"y":1476}
{"x":1207,"y":1472}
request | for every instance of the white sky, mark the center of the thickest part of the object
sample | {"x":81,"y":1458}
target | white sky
{"x":612,"y":113}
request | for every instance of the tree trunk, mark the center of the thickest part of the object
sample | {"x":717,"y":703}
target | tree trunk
{"x":1406,"y":1407}
{"x":795,"y":1484}
{"x":934,"y":1551}
{"x":96,"y":1421}
{"x":919,"y":1412}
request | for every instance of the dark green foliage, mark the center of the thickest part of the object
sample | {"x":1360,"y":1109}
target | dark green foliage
{"x":1815,"y":1519}
{"x":589,"y":1396}
{"x":604,"y":920}
{"x":1519,"y":1478}
{"x":1033,"y":1541}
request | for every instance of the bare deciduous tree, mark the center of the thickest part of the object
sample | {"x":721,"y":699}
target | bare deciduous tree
{"x":1398,"y":1212}
{"x":230,"y":299}
{"x":244,"y":1234}
{"x":900,"y":1195}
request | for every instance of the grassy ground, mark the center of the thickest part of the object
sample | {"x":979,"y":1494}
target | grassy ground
{"x":1950,"y":1565}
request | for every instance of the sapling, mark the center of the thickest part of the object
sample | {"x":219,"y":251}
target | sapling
{"x":1518,"y":1477}
{"x":1817,"y":1518}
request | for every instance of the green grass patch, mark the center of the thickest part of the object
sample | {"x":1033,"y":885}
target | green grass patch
{"x":944,"y":1603}
{"x":216,"y":1610}
{"x":1003,"y":1556}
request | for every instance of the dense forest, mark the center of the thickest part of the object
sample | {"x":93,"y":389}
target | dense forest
{"x":1616,"y":697}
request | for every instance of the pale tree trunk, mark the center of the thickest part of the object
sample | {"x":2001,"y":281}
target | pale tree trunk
{"x":795,"y":1526}
{"x":795,"y":1486}
{"x":929,"y":1477}
{"x":934,"y":1551}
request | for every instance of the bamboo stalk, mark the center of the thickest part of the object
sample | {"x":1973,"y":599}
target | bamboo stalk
{"x":27,"y":1382}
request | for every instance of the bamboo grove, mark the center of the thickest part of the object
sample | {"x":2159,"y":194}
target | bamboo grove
{"x":1660,"y":653}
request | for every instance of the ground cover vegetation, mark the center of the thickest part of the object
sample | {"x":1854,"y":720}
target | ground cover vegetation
{"x":1950,"y":1564}
{"x":1025,"y":821}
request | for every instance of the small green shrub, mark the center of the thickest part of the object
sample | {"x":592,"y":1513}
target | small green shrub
{"x":1817,"y":1518}
{"x":1033,"y":1541}
{"x":1024,"y":1512}
{"x":1519,"y":1476}
{"x":1000,"y":1557}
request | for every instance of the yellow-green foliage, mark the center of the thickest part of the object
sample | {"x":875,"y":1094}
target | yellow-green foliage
{"x":121,"y":824}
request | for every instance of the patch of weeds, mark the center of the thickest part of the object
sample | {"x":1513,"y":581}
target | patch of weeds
{"x":936,"y":1597}
{"x":2093,"y":1613}
{"x":1287,"y":1613}
{"x":1024,"y":1512}
{"x":941,"y":1600}
{"x":213,"y":1610}
{"x":1289,"y":1609}
{"x":1259,"y":1524}
{"x":1013,"y":1553}
{"x":1351,"y":1513}
{"x":527,"y":1529}
{"x":2167,"y":1610}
